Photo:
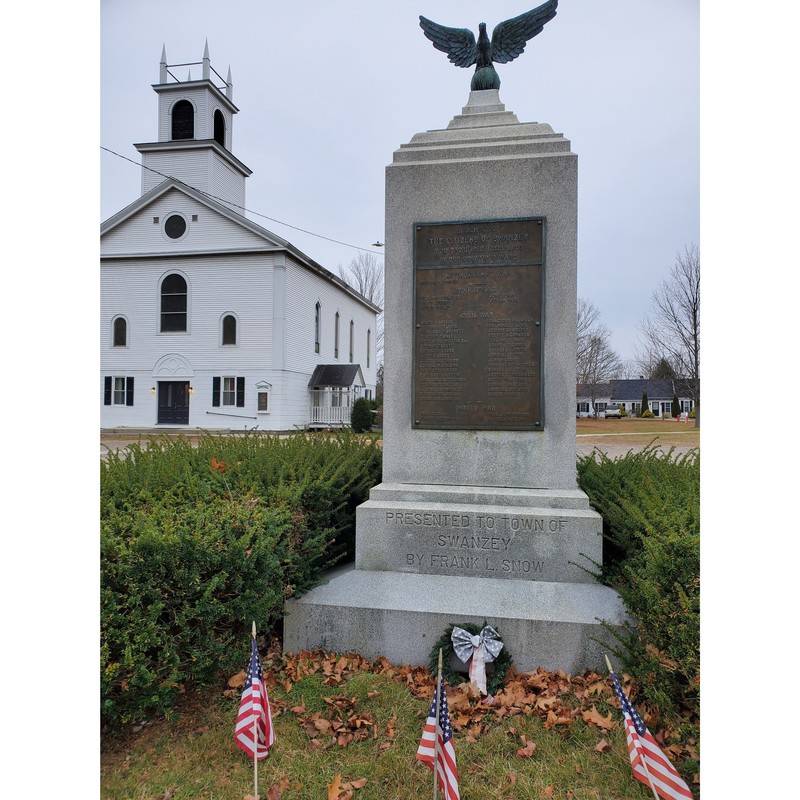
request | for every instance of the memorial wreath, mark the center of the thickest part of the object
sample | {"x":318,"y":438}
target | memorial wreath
{"x":496,"y":669}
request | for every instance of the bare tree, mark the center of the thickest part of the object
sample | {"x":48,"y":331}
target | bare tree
{"x":365,"y":275}
{"x":672,"y":332}
{"x":601,"y":362}
{"x":588,"y":320}
{"x":596,"y":363}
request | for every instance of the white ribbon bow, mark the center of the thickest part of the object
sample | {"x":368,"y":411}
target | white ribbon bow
{"x":478,"y":650}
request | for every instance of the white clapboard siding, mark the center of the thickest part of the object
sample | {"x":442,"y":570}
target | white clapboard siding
{"x":212,"y":231}
{"x":303,"y":289}
{"x":225,"y":182}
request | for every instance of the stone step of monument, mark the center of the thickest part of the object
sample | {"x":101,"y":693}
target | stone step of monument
{"x":400,"y":616}
{"x":488,"y":149}
{"x":488,"y":495}
{"x":479,"y":540}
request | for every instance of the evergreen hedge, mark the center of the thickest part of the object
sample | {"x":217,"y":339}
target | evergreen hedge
{"x":198,"y":541}
{"x":650,"y":503}
{"x":361,"y":415}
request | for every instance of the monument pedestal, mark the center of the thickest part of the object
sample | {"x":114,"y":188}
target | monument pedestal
{"x":479,"y":516}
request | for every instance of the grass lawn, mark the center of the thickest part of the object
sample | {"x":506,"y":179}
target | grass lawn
{"x":193,"y":756}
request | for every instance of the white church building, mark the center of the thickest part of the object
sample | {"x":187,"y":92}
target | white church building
{"x":209,"y":320}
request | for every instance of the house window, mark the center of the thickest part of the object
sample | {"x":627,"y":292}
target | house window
{"x":666,"y":409}
{"x":600,"y":406}
{"x":369,"y":336}
{"x":336,"y":335}
{"x":583,"y":408}
{"x":263,"y":401}
{"x":229,"y":329}
{"x":120,"y":332}
{"x":229,"y":391}
{"x":173,"y":304}
{"x":317,"y":312}
{"x":219,"y":127}
{"x":183,"y":120}
{"x":636,"y":407}
{"x":352,"y":332}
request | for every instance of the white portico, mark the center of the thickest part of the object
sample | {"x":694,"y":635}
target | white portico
{"x":209,"y":320}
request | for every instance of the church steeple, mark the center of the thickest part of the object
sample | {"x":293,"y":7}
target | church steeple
{"x":195,"y":131}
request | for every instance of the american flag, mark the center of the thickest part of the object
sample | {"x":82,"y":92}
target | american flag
{"x":446,"y":757}
{"x":646,"y":756}
{"x":254,"y":710}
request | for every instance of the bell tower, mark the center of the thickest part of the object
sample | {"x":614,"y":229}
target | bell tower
{"x":195,"y":132}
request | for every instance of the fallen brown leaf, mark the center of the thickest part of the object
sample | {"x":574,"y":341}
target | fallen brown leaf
{"x":334,"y":787}
{"x":528,"y":750}
{"x":602,"y":746}
{"x":512,"y":778}
{"x":237,"y":681}
{"x":168,"y":794}
{"x":359,"y":784}
{"x":548,"y":790}
{"x":594,"y":717}
{"x":275,"y":792}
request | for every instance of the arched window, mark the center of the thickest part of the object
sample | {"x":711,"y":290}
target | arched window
{"x":369,"y":336}
{"x":120,"y":332}
{"x":219,"y":127}
{"x":229,"y":329}
{"x":317,"y":312}
{"x":336,"y":336}
{"x":183,"y":120}
{"x":173,"y":304}
{"x":352,"y":330}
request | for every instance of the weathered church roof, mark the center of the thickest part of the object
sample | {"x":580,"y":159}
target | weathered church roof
{"x":342,"y":375}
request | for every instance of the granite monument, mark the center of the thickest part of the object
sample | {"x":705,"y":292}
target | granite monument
{"x":479,"y":516}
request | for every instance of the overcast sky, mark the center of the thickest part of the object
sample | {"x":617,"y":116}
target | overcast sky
{"x":328,"y":91}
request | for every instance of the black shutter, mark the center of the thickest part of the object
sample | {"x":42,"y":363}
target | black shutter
{"x":215,"y":392}
{"x":129,"y":391}
{"x":107,"y":391}
{"x":240,"y":392}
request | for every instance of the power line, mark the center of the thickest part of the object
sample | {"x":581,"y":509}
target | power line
{"x":236,"y":205}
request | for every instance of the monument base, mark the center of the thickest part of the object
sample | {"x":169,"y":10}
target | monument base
{"x":398,"y":615}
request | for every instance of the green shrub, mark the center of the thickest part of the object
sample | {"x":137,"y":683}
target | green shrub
{"x":361,"y":415}
{"x":676,"y":407}
{"x":650,"y":503}
{"x":645,"y":405}
{"x":647,"y":414}
{"x":693,"y":414}
{"x":622,"y":411}
{"x":191,"y":552}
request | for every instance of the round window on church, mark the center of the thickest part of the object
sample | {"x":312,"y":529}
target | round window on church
{"x":175,"y":226}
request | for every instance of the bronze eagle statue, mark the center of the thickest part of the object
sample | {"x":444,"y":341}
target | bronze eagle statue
{"x":508,"y":41}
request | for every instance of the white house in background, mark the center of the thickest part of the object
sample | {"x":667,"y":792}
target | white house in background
{"x":209,"y":320}
{"x":627,"y":394}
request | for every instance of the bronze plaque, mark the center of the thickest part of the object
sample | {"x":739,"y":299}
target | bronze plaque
{"x":478,"y":323}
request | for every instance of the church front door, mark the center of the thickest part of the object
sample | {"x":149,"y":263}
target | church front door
{"x":173,"y":402}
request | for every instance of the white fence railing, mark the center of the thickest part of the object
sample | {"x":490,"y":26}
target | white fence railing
{"x":331,"y":406}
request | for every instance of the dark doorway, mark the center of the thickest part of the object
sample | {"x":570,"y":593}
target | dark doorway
{"x":173,"y":402}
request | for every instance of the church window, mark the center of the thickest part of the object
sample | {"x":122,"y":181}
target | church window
{"x":336,"y":336}
{"x":229,"y":329}
{"x":317,"y":313}
{"x":175,"y":226}
{"x":183,"y":120}
{"x":120,"y":332}
{"x":263,"y":401}
{"x":174,"y":298}
{"x":219,"y":127}
{"x":352,"y":331}
{"x":229,"y":391}
{"x":369,"y":336}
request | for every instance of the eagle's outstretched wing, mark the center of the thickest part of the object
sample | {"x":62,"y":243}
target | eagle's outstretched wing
{"x":458,"y":43}
{"x":510,"y":37}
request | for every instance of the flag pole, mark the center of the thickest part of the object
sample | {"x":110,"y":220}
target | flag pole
{"x":641,"y":758}
{"x":437,"y":695}
{"x":255,"y":740}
